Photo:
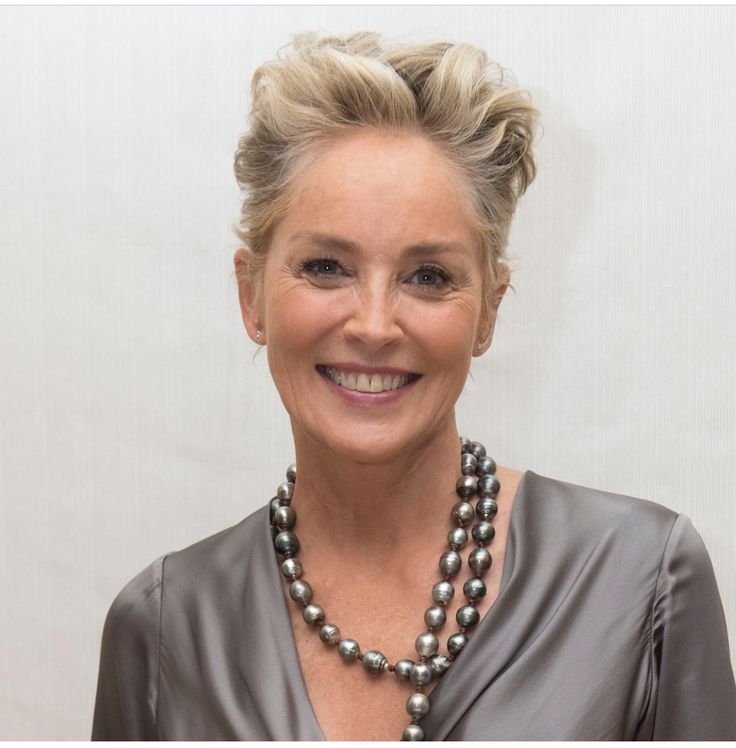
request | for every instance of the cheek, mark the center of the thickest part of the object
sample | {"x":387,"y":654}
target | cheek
{"x":296,"y":322}
{"x":287,"y":307}
{"x":448,"y":330}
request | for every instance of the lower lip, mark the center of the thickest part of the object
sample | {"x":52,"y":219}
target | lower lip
{"x":367,"y":399}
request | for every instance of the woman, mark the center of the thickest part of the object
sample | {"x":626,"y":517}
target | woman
{"x":380,"y":189}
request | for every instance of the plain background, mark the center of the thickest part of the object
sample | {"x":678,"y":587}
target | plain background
{"x":134,"y":419}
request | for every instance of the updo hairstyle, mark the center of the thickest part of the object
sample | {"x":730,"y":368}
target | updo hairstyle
{"x":324,"y":88}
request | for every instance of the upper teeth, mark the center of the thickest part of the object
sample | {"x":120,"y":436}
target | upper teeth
{"x":366,"y":382}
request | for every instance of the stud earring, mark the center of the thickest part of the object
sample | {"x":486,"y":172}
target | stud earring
{"x":258,"y":334}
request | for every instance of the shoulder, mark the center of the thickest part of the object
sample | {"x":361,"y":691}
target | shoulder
{"x":615,"y":543}
{"x":643,"y":544}
{"x":134,"y":614}
{"x":210,"y":558}
{"x":205,"y":565}
{"x":592,"y":515}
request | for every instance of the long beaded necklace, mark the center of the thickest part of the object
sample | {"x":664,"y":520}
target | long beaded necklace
{"x":477,"y":479}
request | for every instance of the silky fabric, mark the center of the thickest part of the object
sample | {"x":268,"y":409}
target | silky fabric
{"x":608,"y":626}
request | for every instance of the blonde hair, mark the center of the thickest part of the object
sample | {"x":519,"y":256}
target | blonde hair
{"x":323,"y":88}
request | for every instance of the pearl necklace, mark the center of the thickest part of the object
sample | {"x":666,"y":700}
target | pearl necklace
{"x":478,"y":479}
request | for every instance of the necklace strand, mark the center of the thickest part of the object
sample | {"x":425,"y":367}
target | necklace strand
{"x":477,"y":481}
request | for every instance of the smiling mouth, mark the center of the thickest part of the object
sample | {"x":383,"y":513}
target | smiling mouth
{"x":363,"y":382}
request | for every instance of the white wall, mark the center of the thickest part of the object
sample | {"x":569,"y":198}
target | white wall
{"x":133,"y":418}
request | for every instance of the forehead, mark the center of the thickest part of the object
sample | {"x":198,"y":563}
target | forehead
{"x":381,"y":190}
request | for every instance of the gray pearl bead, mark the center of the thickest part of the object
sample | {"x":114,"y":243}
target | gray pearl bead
{"x":462,"y":513}
{"x":442,"y":592}
{"x":489,"y":485}
{"x":329,"y":633}
{"x":403,"y":669}
{"x":480,"y":560}
{"x":285,"y":491}
{"x":439,"y":665}
{"x":374,"y":662}
{"x":474,"y":588}
{"x":284,"y":518}
{"x":486,"y":508}
{"x":466,"y":486}
{"x":348,"y":649}
{"x":464,"y":445}
{"x":483,"y":532}
{"x":426,"y":644}
{"x":477,"y":449}
{"x":314,"y":615}
{"x":435,"y":617}
{"x":417,"y":705}
{"x":467,"y":616}
{"x":450,"y":563}
{"x":292,"y":568}
{"x":485,"y":466}
{"x":286,"y":543}
{"x":272,"y":507}
{"x":457,"y":538}
{"x":413,"y":732}
{"x":456,"y":643}
{"x":421,"y":674}
{"x":468,"y":464}
{"x":301,"y":592}
{"x":291,"y":473}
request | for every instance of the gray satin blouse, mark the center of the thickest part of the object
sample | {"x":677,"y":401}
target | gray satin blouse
{"x":608,"y":626}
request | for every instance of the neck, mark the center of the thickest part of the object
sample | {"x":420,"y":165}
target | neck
{"x":380,"y":508}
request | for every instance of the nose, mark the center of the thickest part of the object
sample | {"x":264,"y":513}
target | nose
{"x":374,"y":317}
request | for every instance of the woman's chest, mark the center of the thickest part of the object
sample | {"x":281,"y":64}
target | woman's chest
{"x":350,"y":703}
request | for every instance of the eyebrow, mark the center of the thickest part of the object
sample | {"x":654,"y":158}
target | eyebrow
{"x":329,"y":241}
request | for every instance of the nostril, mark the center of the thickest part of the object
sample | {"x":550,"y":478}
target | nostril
{"x":374,"y":329}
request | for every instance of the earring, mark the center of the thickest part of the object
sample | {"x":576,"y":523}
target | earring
{"x":484,"y":343}
{"x":258,"y":334}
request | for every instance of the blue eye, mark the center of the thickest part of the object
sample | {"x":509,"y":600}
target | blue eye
{"x":321,"y":266}
{"x":431,"y":277}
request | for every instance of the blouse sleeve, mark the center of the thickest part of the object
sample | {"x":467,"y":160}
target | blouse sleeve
{"x":694,"y":696}
{"x":127,"y":686}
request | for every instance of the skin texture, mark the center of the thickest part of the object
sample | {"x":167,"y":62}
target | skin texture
{"x":376,"y":473}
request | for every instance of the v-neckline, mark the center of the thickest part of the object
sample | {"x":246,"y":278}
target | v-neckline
{"x":510,"y":553}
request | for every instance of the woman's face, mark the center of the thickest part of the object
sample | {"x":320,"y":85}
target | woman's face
{"x":371,"y":301}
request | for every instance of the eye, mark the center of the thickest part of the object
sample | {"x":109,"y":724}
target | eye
{"x":430,"y":276}
{"x":321,"y":267}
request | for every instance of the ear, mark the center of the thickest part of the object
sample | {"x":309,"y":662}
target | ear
{"x":249,"y":297}
{"x":487,"y":322}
